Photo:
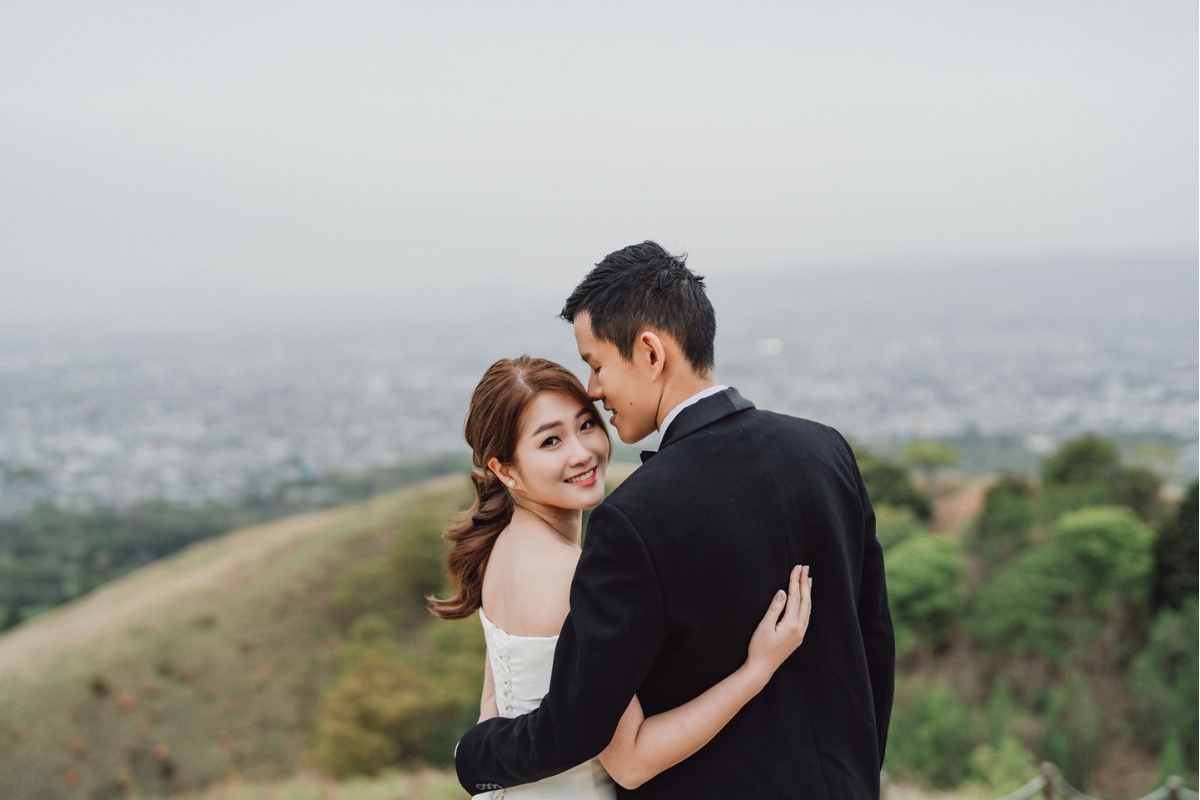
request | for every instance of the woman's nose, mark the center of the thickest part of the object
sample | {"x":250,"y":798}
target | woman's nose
{"x":579,"y":453}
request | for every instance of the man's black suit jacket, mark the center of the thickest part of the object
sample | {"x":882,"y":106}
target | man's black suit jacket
{"x":678,"y":567}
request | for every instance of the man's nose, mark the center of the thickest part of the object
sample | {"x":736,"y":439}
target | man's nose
{"x":593,"y":388}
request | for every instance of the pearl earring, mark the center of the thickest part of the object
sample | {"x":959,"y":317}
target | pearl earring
{"x":511,"y":483}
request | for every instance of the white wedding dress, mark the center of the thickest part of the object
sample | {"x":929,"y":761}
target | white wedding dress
{"x":521,"y":669}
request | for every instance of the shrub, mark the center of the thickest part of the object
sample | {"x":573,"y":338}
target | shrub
{"x":379,"y":714}
{"x":1057,"y":597}
{"x":368,"y":588}
{"x":1172,"y":764}
{"x":895,"y":525}
{"x":1004,"y":523}
{"x":1087,"y":459}
{"x":928,"y":457}
{"x":1139,"y":489}
{"x":1002,"y":714}
{"x":1175,"y":554}
{"x":1071,"y":733}
{"x":1111,"y":549}
{"x":1164,"y":679}
{"x":888,"y":484}
{"x":1016,"y":611}
{"x":418,"y":562}
{"x":922,"y":578}
{"x":395,"y":586}
{"x":1002,"y":767}
{"x":931,"y":736}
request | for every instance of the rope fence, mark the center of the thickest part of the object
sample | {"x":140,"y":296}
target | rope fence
{"x":1050,"y":785}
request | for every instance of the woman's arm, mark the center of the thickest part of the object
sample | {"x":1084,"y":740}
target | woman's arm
{"x":641,"y":748}
{"x":487,"y":703}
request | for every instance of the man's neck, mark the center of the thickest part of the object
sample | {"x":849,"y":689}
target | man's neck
{"x":676,"y":393}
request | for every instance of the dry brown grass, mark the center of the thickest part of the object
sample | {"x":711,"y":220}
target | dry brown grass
{"x":205,"y":666}
{"x":157,"y":594}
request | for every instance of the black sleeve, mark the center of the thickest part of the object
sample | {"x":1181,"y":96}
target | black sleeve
{"x":875,"y":621}
{"x":607,"y":645}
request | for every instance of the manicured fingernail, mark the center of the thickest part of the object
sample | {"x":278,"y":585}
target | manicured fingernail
{"x":781,"y":594}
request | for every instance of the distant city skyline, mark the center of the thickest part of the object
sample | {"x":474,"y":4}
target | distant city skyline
{"x":1024,"y":352}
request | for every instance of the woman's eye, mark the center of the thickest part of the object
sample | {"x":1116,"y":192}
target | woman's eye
{"x":588,"y":424}
{"x":550,"y":441}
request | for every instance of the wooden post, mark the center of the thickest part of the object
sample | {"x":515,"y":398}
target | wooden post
{"x":1173,"y":785}
{"x":1048,"y":771}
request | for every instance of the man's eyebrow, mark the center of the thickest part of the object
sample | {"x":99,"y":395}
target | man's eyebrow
{"x":546,"y":427}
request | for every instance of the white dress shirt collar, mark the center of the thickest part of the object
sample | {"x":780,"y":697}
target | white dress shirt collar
{"x":696,"y":398}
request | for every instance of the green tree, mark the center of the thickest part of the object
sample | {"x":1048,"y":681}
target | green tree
{"x":1071,"y":732}
{"x":932,"y":735}
{"x":1056,"y":598}
{"x":12,"y":617}
{"x":1002,"y":530}
{"x":1171,"y":764}
{"x":1001,"y":767}
{"x":888,"y":484}
{"x":928,"y":457}
{"x":1087,"y":472}
{"x":895,"y":525}
{"x":1175,"y":554}
{"x":1164,"y":681}
{"x":1087,"y":459}
{"x":922,"y":578}
{"x":1138,"y":488}
{"x":419,"y":558}
{"x":379,"y":714}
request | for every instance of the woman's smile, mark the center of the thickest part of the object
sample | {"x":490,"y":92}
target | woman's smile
{"x":584,"y":478}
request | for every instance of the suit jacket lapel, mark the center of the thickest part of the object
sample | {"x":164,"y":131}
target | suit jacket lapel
{"x":704,"y":413}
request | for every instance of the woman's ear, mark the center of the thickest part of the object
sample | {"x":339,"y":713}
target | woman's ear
{"x":500,"y":471}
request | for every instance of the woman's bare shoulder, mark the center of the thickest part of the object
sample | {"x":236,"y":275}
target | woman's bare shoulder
{"x":527,"y":584}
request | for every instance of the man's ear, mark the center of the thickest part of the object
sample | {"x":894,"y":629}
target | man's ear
{"x":655,"y":353}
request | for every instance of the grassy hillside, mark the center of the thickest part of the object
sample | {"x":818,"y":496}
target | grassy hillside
{"x":263,"y":663}
{"x":208,"y":664}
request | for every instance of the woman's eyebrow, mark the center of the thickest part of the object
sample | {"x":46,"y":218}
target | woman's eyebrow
{"x":546,"y":427}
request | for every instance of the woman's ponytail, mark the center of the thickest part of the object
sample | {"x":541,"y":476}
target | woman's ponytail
{"x":472,"y":536}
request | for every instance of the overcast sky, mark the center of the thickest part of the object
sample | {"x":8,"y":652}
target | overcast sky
{"x":184,"y":157}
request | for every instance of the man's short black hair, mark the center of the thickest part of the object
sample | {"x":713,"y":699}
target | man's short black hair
{"x":643,"y":286}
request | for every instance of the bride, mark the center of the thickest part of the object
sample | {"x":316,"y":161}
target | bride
{"x":540,"y":452}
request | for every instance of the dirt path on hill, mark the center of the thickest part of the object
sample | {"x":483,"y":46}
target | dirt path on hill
{"x":157,"y":591}
{"x":955,"y":503}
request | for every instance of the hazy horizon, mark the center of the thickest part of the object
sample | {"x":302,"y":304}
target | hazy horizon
{"x":193,"y":162}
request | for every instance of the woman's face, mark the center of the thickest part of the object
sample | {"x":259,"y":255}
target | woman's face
{"x":561,"y":454}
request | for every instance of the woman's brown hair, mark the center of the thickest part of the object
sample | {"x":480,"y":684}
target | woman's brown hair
{"x":492,"y":427}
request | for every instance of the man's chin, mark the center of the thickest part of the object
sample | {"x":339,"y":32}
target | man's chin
{"x":631,"y":437}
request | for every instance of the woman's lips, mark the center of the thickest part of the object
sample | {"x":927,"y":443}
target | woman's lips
{"x":583,"y":479}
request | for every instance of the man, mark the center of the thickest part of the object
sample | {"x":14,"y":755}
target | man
{"x":679,"y":560}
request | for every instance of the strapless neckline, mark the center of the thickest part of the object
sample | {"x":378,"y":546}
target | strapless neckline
{"x":488,"y":623}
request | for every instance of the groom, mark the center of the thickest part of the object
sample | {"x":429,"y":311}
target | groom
{"x":680,"y":560}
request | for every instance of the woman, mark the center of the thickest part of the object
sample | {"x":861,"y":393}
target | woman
{"x":540,"y":452}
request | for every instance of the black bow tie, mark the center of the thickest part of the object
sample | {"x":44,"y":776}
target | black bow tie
{"x":647,"y":455}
